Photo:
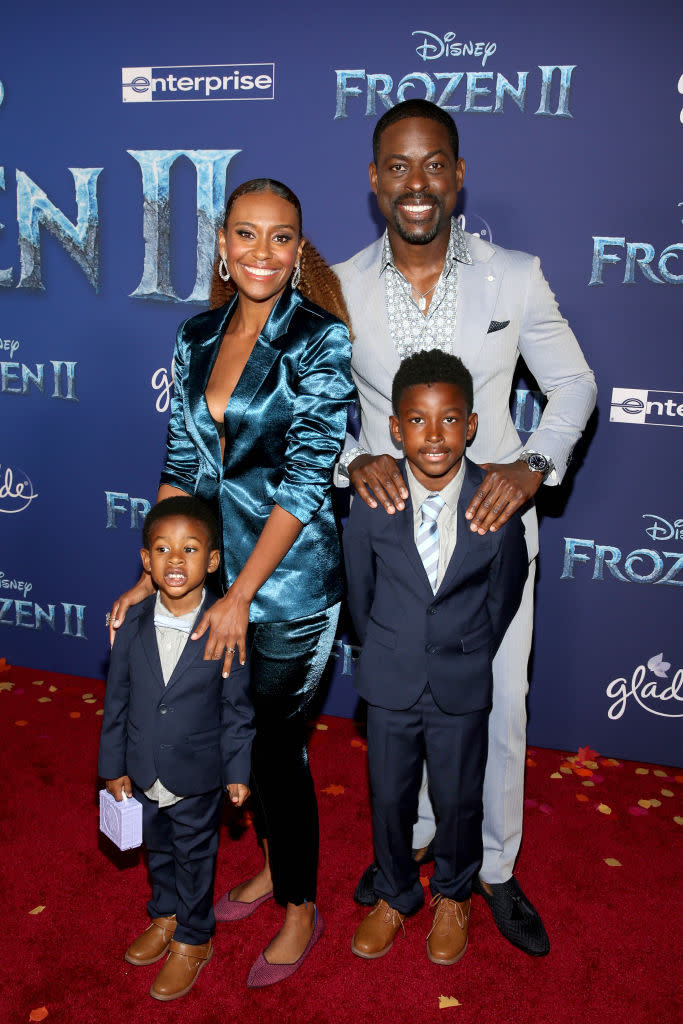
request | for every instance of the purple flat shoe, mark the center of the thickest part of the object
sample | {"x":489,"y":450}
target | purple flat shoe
{"x":262,"y":973}
{"x":235,"y":910}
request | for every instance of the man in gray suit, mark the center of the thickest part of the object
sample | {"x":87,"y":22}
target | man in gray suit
{"x":428,"y":284}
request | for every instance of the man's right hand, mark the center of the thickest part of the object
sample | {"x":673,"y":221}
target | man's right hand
{"x":142,"y":589}
{"x":377,"y":478}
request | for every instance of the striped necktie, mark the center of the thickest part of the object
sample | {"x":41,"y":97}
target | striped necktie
{"x":428,"y":536}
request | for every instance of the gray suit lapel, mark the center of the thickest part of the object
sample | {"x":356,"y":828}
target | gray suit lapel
{"x":478,"y":287}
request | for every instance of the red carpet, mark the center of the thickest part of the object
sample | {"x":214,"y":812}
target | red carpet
{"x":602,"y":861}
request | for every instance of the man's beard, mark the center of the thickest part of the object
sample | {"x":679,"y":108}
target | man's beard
{"x":418,"y":235}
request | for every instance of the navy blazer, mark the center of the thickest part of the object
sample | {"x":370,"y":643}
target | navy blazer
{"x":412,"y":637}
{"x":193,"y":734}
{"x":284,"y":428}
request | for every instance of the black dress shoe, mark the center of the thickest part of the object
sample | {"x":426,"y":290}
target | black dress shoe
{"x":516,"y":918}
{"x":365,"y":890}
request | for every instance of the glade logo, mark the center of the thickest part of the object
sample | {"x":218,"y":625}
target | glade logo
{"x":198,"y":82}
{"x":651,"y":696}
{"x":645,"y":407}
{"x":643,"y":565}
{"x":16,"y":490}
{"x":162,"y":381}
{"x":433,"y":46}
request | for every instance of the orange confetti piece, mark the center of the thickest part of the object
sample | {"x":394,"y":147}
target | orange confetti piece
{"x":612,"y":862}
{"x":321,"y":728}
{"x":21,"y":721}
{"x":587,"y":782}
{"x":334,"y":790}
{"x":424,"y":881}
{"x":7,"y":686}
{"x":74,"y":714}
{"x":530,"y":763}
{"x":582,"y":798}
{"x":556,"y":775}
{"x":356,"y":743}
{"x":446,"y":1001}
{"x":666,"y":792}
{"x":37,"y":910}
{"x":583,"y":772}
{"x":644,"y":803}
{"x":40,"y":1013}
{"x":678,"y":820}
{"x":604,"y":809}
{"x":45,"y":700}
{"x":678,"y":778}
{"x":4,"y":666}
{"x":642,"y":771}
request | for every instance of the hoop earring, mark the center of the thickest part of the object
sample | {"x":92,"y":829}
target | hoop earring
{"x":223,"y":271}
{"x":296,"y":277}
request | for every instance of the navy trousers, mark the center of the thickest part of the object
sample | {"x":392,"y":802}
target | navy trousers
{"x":182,"y":842}
{"x":454,"y":747}
{"x":287,"y":660}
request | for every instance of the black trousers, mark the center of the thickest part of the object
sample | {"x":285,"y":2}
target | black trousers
{"x":454,"y":747}
{"x":182,"y":843}
{"x":287,"y":660}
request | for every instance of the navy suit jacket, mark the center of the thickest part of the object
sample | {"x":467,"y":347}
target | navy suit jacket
{"x":194,"y":734}
{"x":284,"y":427}
{"x":412,"y":637}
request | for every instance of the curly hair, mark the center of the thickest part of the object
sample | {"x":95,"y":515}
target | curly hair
{"x":432,"y":367}
{"x":187,"y":505}
{"x":318,"y":282}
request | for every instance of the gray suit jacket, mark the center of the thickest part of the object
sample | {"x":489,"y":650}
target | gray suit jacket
{"x":500,"y":285}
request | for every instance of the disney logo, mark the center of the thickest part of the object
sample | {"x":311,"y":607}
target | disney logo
{"x":432,"y":47}
{"x":15,"y":496}
{"x":662,"y":529}
{"x":23,"y":586}
{"x":162,"y":381}
{"x":621,"y":690}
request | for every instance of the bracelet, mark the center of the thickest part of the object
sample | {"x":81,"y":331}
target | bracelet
{"x":346,"y":460}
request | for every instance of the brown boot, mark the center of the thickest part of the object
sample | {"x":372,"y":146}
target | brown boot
{"x":180,"y":970}
{"x":153,"y":943}
{"x":447,"y":941}
{"x":376,"y":933}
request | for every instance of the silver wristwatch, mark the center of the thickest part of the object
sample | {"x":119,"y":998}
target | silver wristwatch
{"x":538,"y":463}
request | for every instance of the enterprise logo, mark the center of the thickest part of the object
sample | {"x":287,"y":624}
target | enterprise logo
{"x":653,"y":408}
{"x":202,"y":82}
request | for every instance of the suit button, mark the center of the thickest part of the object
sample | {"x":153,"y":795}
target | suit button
{"x":163,"y":709}
{"x":432,"y":649}
{"x":432,"y":610}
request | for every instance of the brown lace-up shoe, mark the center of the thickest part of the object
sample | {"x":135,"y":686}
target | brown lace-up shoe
{"x":447,"y":941}
{"x":153,"y":943}
{"x":180,"y":970}
{"x":375,"y":934}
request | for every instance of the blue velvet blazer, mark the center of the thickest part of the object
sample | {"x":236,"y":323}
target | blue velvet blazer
{"x":284,"y":428}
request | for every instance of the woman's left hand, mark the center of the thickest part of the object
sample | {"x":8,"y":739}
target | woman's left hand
{"x":227,"y":621}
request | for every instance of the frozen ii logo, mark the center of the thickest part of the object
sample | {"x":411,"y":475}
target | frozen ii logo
{"x":586,"y":558}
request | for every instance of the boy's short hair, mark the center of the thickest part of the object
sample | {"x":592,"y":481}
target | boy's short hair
{"x":432,"y":367}
{"x":181,"y":505}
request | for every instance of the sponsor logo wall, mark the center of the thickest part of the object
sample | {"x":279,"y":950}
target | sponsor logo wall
{"x":113,"y":183}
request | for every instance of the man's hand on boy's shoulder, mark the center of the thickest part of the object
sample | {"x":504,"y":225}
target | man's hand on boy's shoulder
{"x":238,"y":793}
{"x":504,"y":489}
{"x":377,"y":478}
{"x":117,"y":787}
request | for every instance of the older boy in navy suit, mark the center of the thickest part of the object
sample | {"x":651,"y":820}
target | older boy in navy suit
{"x":430,"y":601}
{"x":175,"y":733}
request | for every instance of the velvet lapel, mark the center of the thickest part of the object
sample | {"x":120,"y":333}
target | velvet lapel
{"x":465,"y":537}
{"x":148,"y":638}
{"x":264,"y":354}
{"x":193,"y":649}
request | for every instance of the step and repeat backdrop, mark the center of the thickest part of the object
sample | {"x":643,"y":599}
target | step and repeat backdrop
{"x":121,"y":135}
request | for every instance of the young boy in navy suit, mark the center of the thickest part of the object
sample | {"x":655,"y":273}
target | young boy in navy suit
{"x":174,"y":734}
{"x":431,"y":601}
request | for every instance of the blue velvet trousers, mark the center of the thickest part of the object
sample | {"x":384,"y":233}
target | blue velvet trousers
{"x":287,"y":660}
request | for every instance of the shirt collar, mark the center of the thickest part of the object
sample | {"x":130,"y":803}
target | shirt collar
{"x":457,"y":248}
{"x":164,"y":617}
{"x":450,"y":493}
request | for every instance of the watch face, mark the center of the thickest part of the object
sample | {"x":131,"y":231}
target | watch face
{"x":538,"y":463}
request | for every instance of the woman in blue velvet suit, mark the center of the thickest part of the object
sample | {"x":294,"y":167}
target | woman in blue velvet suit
{"x":261,"y":389}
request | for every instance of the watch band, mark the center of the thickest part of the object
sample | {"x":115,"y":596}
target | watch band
{"x":347,"y":458}
{"x":538,"y":463}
